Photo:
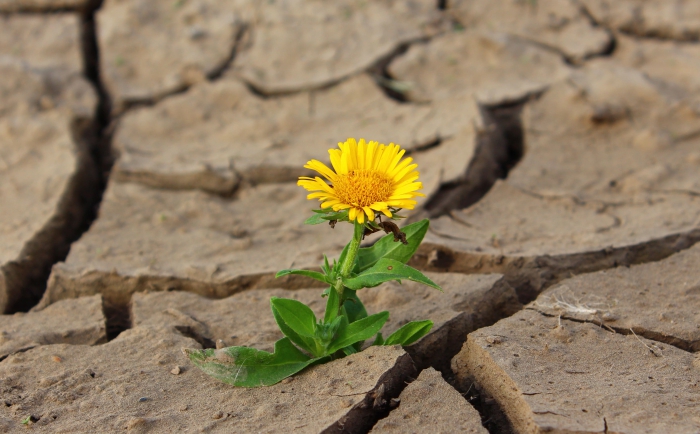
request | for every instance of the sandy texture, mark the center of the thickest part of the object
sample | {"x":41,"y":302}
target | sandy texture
{"x":582,"y":378}
{"x":558,"y":143}
{"x":654,"y":18}
{"x":492,"y":67}
{"x":157,"y":47}
{"x":77,"y":322}
{"x":660,"y":301}
{"x":609,"y":163}
{"x":429,"y":404}
{"x":217,"y":135}
{"x":213,"y":246}
{"x":333,"y":40}
{"x":44,"y":42}
{"x":87,"y":389}
{"x":44,"y":102}
{"x":559,"y":25}
{"x":41,"y":5}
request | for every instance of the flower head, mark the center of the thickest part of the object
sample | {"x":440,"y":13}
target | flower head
{"x":366,"y":177}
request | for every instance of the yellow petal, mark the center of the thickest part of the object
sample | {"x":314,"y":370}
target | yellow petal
{"x":369,"y":212}
{"x":352,"y":214}
{"x":409,"y":178}
{"x":344,"y":163}
{"x":360,"y":217}
{"x":399,"y":167}
{"x":387,"y":157}
{"x":317,"y":194}
{"x":408,"y":188}
{"x":352,"y":154}
{"x":378,"y":157}
{"x":361,"y":152}
{"x":395,"y":160}
{"x":335,"y":159}
{"x":329,"y":204}
{"x":321,"y":168}
{"x":403,"y":173}
{"x":401,"y":197}
{"x":369,"y":156}
{"x":402,"y":203}
{"x":309,"y":185}
{"x":378,"y":206}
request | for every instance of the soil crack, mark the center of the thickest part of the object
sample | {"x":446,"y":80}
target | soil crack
{"x":634,"y":331}
{"x":500,"y":146}
{"x":26,"y":278}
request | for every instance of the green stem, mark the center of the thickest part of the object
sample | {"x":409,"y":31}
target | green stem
{"x":346,"y":267}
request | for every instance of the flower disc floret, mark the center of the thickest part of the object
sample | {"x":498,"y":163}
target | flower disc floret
{"x":366,"y":177}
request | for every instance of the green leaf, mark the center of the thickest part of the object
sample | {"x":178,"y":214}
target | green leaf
{"x":387,"y":248}
{"x":332,"y":306}
{"x":248,"y":367}
{"x":379,"y":340}
{"x":341,"y":258}
{"x":350,"y":349}
{"x":353,"y":307}
{"x":323,"y":216}
{"x":340,"y":216}
{"x":315,"y":219}
{"x":358,"y":331}
{"x":326,"y":268}
{"x":409,"y":333}
{"x":308,"y":273}
{"x":385,"y":270}
{"x":307,"y":343}
{"x":296,"y":314}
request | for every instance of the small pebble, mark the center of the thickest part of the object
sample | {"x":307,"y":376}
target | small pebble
{"x":56,"y":359}
{"x":175,"y":370}
{"x":218,"y":415}
{"x":184,"y":407}
{"x":220,"y":344}
{"x":494,"y":339}
{"x":143,"y":399}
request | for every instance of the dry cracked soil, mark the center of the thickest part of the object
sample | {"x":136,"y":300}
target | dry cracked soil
{"x":148,"y":158}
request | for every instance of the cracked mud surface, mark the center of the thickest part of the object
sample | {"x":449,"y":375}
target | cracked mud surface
{"x":559,"y":147}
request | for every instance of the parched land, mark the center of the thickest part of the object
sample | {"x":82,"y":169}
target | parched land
{"x":149,"y":152}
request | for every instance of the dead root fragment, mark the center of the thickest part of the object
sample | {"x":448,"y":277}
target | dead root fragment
{"x":388,"y":227}
{"x":654,"y":349}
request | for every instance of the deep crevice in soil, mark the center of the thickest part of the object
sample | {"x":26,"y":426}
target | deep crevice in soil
{"x":500,"y":146}
{"x":202,"y":340}
{"x":493,"y":418}
{"x":378,"y":404}
{"x":117,"y":319}
{"x":25,"y":279}
{"x":386,"y":82}
{"x":532,"y":275}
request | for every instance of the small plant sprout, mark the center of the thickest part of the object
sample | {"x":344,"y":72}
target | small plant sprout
{"x":367,"y":186}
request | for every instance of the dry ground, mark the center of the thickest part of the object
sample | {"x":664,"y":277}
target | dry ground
{"x":148,"y":158}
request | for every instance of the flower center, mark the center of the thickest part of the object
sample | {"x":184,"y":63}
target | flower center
{"x":363,"y":188}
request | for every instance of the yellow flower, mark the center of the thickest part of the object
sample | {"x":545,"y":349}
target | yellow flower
{"x":366,"y":177}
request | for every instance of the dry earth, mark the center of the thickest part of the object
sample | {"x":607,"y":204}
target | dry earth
{"x":148,"y":158}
